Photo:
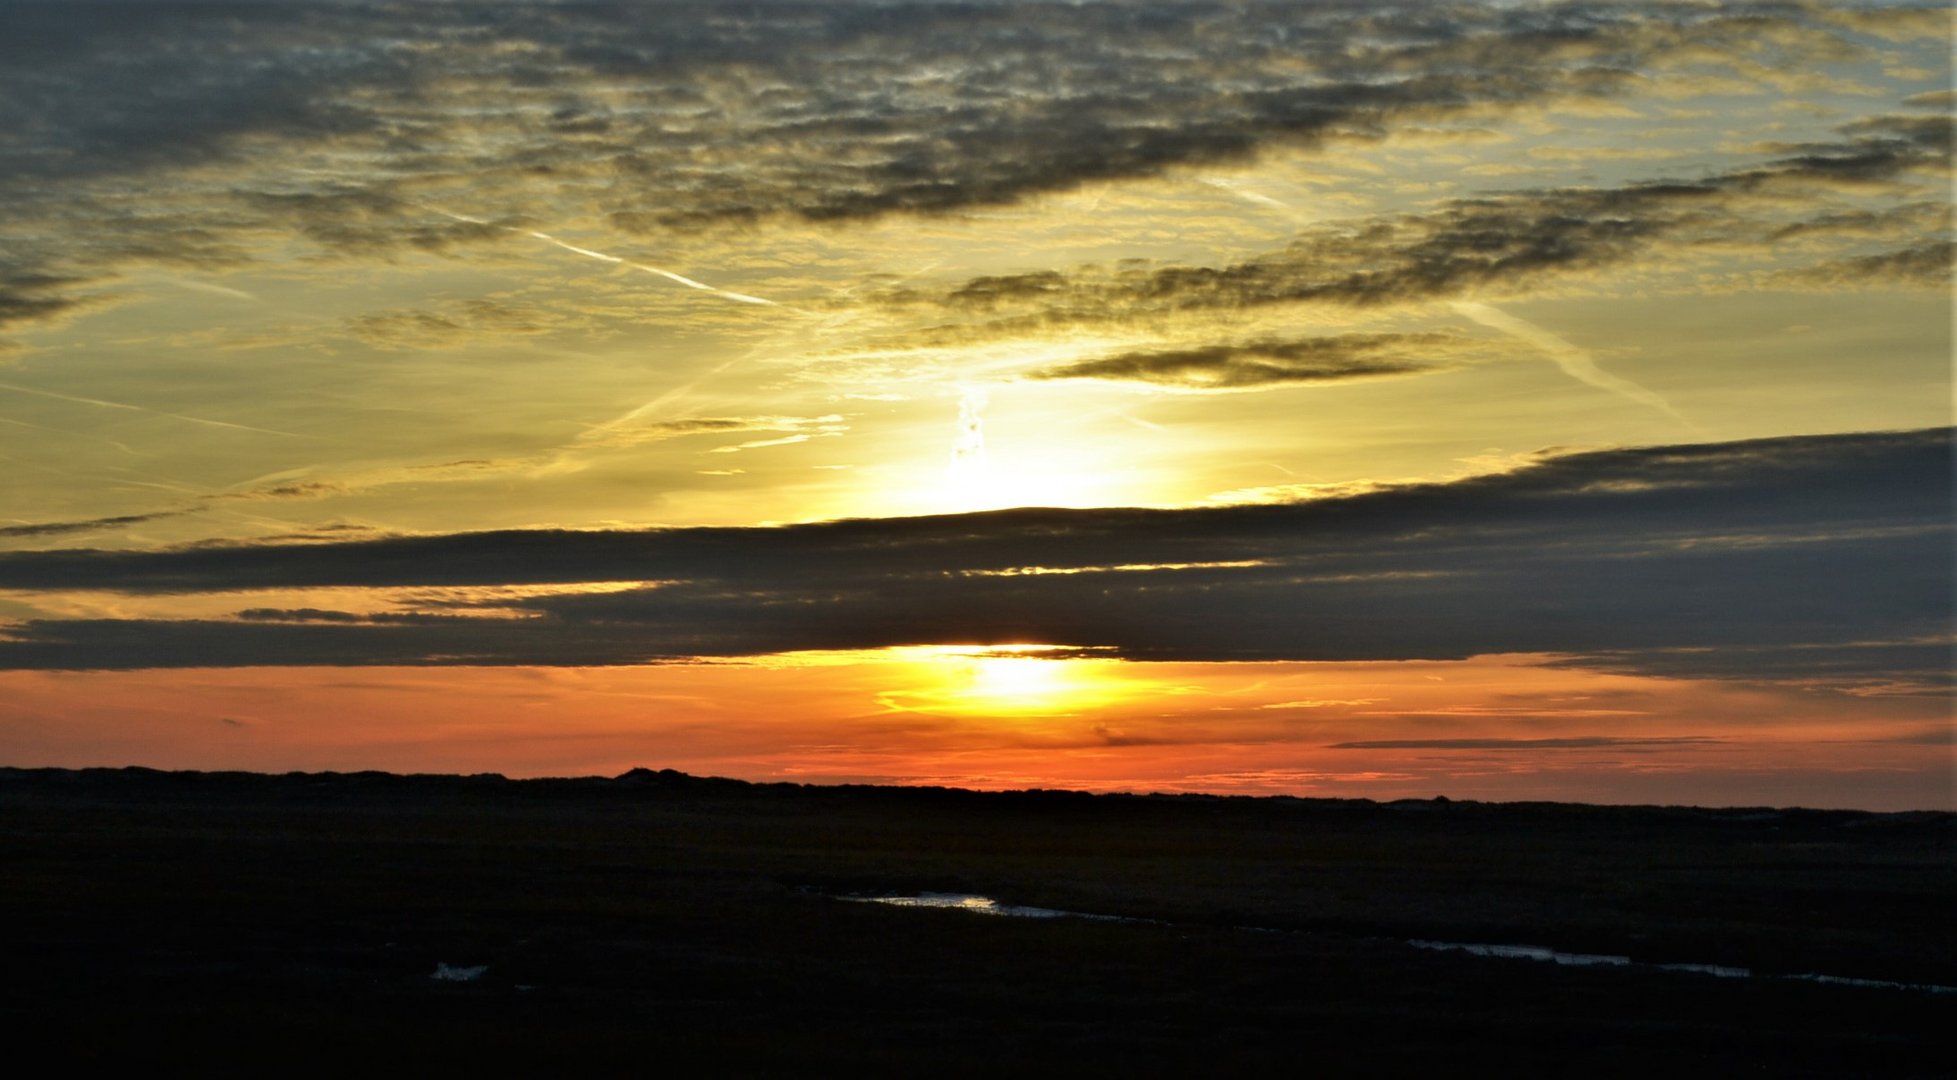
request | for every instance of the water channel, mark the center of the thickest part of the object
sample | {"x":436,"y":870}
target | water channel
{"x":985,"y":905}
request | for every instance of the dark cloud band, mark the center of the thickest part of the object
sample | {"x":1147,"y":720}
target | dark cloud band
{"x":1752,"y":559}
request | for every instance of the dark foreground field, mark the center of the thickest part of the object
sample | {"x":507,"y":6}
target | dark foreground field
{"x":660,"y":922}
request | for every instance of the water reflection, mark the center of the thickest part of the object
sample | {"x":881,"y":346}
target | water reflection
{"x":1536,"y":952}
{"x":983,"y":905}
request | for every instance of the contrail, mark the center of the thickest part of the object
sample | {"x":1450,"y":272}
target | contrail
{"x":1258,"y":198}
{"x":668,"y":274}
{"x":207,"y":287}
{"x":677,"y":393}
{"x":808,"y":330}
{"x":599,"y":430}
{"x":547,"y":238}
{"x":1575,"y":362}
{"x":99,"y":403}
{"x":1249,"y":196}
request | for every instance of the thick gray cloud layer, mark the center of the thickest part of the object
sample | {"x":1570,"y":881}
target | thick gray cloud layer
{"x":185,"y":135}
{"x":1823,"y":557}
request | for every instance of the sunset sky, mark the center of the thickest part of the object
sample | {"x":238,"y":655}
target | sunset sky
{"x":1502,"y":401}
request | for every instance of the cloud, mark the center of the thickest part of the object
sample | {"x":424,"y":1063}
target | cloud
{"x":1878,"y":151}
{"x":1271,"y":363}
{"x":1790,"y":559}
{"x":1920,"y":667}
{"x":1938,"y":735}
{"x":367,"y":221}
{"x":305,"y":489}
{"x":1922,"y":266}
{"x":1503,"y":243}
{"x":66,"y":528}
{"x":634,"y":430}
{"x":347,"y":125}
{"x":1575,"y":742}
{"x":457,"y":323}
{"x":30,"y":298}
{"x":1909,"y":221}
{"x":319,"y":615}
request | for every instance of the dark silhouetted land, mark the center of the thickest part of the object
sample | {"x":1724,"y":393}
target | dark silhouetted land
{"x":658,"y":921}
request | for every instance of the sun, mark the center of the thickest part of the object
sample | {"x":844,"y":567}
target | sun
{"x":1005,"y":680}
{"x":1018,"y":682}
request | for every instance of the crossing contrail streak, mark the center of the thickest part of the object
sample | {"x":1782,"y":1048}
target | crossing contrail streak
{"x":99,"y":403}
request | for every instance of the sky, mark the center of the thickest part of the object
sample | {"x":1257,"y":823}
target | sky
{"x":1500,"y":401}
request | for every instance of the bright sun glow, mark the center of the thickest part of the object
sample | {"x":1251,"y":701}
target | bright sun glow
{"x":1008,"y":451}
{"x":1018,"y":681}
{"x":997,"y":485}
{"x":1013,"y":679}
{"x":1005,"y":680}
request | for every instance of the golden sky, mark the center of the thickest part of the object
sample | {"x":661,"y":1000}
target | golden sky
{"x":1501,"y":401}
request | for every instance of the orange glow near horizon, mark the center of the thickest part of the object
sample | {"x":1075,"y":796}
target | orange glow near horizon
{"x":1499,"y":728}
